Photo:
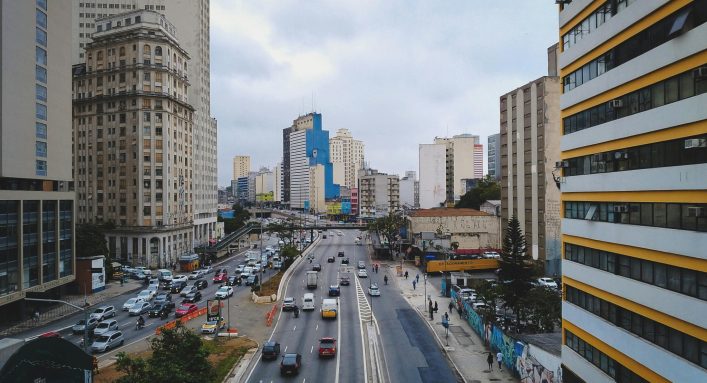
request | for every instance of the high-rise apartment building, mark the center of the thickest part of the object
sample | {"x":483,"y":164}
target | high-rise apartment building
{"x":191,"y":19}
{"x":529,"y":148}
{"x":277,"y":186}
{"x":132,"y":144}
{"x":464,"y":159}
{"x":378,"y":193}
{"x":264,"y":185}
{"x":634,"y":192}
{"x":494,"y":156}
{"x":36,"y":185}
{"x":241,"y":166}
{"x":433,"y":175}
{"x":347,"y":158}
{"x":409,"y":190}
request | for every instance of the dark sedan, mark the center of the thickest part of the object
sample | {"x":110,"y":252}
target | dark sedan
{"x":271,"y":350}
{"x":192,"y":297}
{"x":201,"y":284}
{"x":159,"y":309}
{"x":290,"y":364}
{"x":317,"y":267}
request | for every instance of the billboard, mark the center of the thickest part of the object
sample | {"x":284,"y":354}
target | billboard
{"x":213,"y":311}
{"x":345,"y":207}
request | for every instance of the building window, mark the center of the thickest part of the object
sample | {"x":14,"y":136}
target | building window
{"x":41,"y":149}
{"x":42,"y":4}
{"x":41,"y":74}
{"x":41,"y":56}
{"x":41,"y":130}
{"x":41,"y":92}
{"x":41,"y":37}
{"x":684,"y":216}
{"x":41,"y":111}
{"x":41,"y":19}
{"x":611,"y":367}
{"x":41,"y":168}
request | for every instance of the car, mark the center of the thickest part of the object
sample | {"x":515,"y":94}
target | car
{"x":362,"y":273}
{"x":330,"y":260}
{"x":153,"y":288}
{"x":479,"y":306}
{"x":327,"y":347}
{"x":192,"y":297}
{"x":340,"y":254}
{"x":105,"y":326}
{"x":81,"y":325}
{"x":361,"y":265}
{"x":239,"y":268}
{"x":212,"y":326}
{"x":345,"y":261}
{"x":131,"y":302}
{"x":467,"y":293}
{"x":180,"y":278}
{"x":224,"y":292}
{"x":277,"y":265}
{"x":207,"y":269}
{"x":177,"y":286}
{"x":146,"y":295}
{"x":317,"y":267}
{"x":233,"y":280}
{"x":153,"y":282}
{"x":290,"y":364}
{"x":491,"y":255}
{"x":140,"y":308}
{"x":373,"y":290}
{"x":251,"y":280}
{"x":324,"y":236}
{"x":201,"y":284}
{"x":547,"y":282}
{"x":271,"y":350}
{"x":196,"y":274}
{"x":163,"y":297}
{"x":103,"y":312}
{"x":220,"y":276}
{"x":257,"y":267}
{"x":160,"y":308}
{"x":106,"y":341}
{"x":334,"y":291}
{"x":188,"y":289}
{"x":184,"y":309}
{"x":288,"y":304}
{"x":344,"y":281}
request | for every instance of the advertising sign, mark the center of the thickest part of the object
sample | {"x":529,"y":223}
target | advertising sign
{"x":98,"y":275}
{"x":213,"y":311}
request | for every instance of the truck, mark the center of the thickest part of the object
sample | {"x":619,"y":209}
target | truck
{"x":330,"y":307}
{"x":312,"y":279}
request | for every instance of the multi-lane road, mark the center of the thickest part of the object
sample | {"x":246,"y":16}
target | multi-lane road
{"x":394,"y":341}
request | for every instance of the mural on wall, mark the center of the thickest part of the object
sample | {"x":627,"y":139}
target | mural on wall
{"x":531,"y":371}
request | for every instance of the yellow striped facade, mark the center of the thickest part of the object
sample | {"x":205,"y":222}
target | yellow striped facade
{"x":678,"y":66}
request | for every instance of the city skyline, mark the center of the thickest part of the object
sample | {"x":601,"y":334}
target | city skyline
{"x":336,"y":55}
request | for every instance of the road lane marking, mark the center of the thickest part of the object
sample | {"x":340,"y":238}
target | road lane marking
{"x":285,"y":348}
{"x":312,"y":350}
{"x":294,"y":328}
{"x":316,"y":328}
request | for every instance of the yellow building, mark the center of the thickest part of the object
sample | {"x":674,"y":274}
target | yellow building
{"x":634,"y":190}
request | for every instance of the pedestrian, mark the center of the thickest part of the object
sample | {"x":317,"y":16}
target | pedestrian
{"x":417,"y":277}
{"x":432,"y":316}
{"x":36,"y":315}
{"x":413,"y":284}
{"x":406,"y":274}
{"x":489,"y":360}
{"x":121,"y":281}
{"x":499,"y":358}
{"x":451,"y":305}
{"x":436,"y":307}
{"x":446,"y":317}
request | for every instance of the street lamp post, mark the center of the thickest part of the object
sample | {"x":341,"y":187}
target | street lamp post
{"x":85,"y":317}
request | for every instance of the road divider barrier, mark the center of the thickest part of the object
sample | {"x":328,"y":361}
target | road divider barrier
{"x":270,"y":315}
{"x":172,"y":324}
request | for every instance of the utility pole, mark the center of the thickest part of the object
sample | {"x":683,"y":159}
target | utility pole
{"x":85,"y":317}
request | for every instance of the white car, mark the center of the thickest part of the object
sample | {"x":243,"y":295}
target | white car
{"x":196,"y":274}
{"x":374,"y":291}
{"x":207,"y":269}
{"x":288,"y":304}
{"x":491,"y":255}
{"x":131,"y":302}
{"x":180,"y":278}
{"x":188,"y":289}
{"x":239,"y":268}
{"x":140,"y":308}
{"x":146,"y":295}
{"x":362,"y":273}
{"x":224,"y":292}
{"x":547,"y":282}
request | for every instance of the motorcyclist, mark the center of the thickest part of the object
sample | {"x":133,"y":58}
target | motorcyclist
{"x":296,"y":309}
{"x":385,"y":279}
{"x":140,"y":322}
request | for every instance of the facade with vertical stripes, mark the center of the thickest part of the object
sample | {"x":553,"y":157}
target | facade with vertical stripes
{"x":634,"y":190}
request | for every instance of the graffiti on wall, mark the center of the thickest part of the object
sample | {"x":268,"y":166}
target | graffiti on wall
{"x":531,"y":371}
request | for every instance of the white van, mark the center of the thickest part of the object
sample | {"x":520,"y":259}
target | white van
{"x":308,"y":301}
{"x":164,"y":275}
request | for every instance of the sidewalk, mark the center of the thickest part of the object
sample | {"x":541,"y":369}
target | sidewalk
{"x":465,"y":349}
{"x":59,"y":311}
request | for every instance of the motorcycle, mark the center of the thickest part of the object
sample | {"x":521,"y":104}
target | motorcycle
{"x":139,"y":326}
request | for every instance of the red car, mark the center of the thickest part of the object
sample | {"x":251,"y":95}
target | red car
{"x":327,"y":347}
{"x":184,"y":309}
{"x":220,"y":276}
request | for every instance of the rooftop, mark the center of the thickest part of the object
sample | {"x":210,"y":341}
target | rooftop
{"x":447,"y":212}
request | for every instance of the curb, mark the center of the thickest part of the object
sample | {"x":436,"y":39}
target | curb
{"x":240,"y":368}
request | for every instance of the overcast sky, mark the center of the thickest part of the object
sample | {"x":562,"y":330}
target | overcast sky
{"x":395,"y":73}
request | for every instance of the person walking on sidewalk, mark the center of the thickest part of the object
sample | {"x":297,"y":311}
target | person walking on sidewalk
{"x":489,"y":360}
{"x":417,"y":278}
{"x":436,"y":307}
{"x":406,"y":274}
{"x":413,"y":284}
{"x":451,"y":306}
{"x":499,"y":358}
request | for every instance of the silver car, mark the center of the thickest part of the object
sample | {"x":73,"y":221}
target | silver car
{"x":140,"y":308}
{"x":106,"y":326}
{"x":106,"y":341}
{"x":79,"y":327}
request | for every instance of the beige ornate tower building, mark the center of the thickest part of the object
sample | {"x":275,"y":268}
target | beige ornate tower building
{"x":347,"y":158}
{"x":133,"y":138}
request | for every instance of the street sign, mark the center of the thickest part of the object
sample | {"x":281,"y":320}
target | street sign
{"x":213,"y":311}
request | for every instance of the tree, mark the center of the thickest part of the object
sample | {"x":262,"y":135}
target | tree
{"x":543,"y":308}
{"x":517,"y":267}
{"x":486,"y":189}
{"x":240,"y":218}
{"x":388,"y":228}
{"x":93,"y":242}
{"x":284,"y":231}
{"x":178,"y":355}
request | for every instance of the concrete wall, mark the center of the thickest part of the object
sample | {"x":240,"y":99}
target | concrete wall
{"x":433,"y":180}
{"x":471,"y":232}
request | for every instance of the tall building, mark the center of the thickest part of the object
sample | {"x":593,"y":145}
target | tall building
{"x":634,"y":192}
{"x":37,"y":196}
{"x":464,"y":159}
{"x":241,"y":166}
{"x":433,"y":175}
{"x":191,"y":19}
{"x":277,"y":186}
{"x":264,"y":185}
{"x":409,"y":190}
{"x":530,"y":146}
{"x":494,"y":156}
{"x":132,"y":144}
{"x":379,"y":193}
{"x":309,"y":172}
{"x":347,"y":158}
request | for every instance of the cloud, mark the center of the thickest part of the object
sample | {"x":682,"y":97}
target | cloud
{"x":395,"y":73}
